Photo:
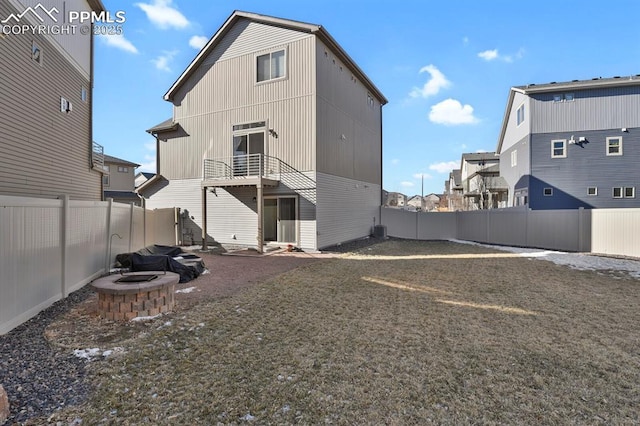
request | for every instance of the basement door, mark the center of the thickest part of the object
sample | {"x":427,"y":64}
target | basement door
{"x":280,"y":215}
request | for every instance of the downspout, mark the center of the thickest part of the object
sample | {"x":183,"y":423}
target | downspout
{"x":381,"y":169}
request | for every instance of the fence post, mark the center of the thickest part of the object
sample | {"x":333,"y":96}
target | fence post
{"x":580,"y":228}
{"x":107,"y":256}
{"x":64,"y":243}
{"x":130,"y":227}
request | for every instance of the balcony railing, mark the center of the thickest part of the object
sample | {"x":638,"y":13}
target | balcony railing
{"x":97,"y":156}
{"x":259,"y":165}
{"x":243,"y":166}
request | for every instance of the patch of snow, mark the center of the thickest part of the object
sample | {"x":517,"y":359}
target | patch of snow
{"x":136,"y":319}
{"x":580,"y":261}
{"x":248,"y":417}
{"x":186,"y":290}
{"x":286,"y":409}
{"x":205,"y":272}
{"x":91,"y":353}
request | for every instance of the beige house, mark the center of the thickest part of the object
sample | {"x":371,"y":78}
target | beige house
{"x":46,"y":147}
{"x":482,"y":186}
{"x":276,"y":137}
{"x":119,"y":180}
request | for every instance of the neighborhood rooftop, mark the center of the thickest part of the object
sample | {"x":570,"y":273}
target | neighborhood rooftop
{"x":632,"y":80}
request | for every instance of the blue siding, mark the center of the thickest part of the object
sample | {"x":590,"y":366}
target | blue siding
{"x":586,"y":165}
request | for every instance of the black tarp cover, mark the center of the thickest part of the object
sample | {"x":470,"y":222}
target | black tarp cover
{"x":161,"y":258}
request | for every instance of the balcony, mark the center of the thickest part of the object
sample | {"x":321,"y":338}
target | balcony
{"x":97,"y":157}
{"x":243,"y":170}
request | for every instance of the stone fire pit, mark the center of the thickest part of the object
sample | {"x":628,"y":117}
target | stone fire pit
{"x":127,"y":300}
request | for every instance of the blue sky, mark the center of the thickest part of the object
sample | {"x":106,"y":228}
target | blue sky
{"x":445,"y":66}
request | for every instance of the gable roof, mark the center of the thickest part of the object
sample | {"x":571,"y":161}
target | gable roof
{"x":317,"y":30}
{"x":166,"y":126}
{"x":116,"y":160}
{"x":529,"y":89}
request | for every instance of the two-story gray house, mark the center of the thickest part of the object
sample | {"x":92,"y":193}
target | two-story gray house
{"x":276,"y":136}
{"x":119,"y":180}
{"x":46,"y":80}
{"x":573,"y":144}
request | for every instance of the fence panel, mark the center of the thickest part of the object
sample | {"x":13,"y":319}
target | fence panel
{"x":616,"y":232}
{"x":437,"y":226}
{"x":473,"y":226}
{"x":86,"y":243}
{"x":400,"y":223}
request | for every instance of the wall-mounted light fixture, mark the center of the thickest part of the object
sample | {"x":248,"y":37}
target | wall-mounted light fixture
{"x":624,"y":129}
{"x":273,"y":133}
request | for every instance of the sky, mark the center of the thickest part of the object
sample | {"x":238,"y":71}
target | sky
{"x":445,"y":66}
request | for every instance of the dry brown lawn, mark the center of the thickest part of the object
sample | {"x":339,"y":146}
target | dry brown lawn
{"x":400,"y":333}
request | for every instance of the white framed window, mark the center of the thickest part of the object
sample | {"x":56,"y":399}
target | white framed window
{"x":559,"y":148}
{"x":557,"y":97}
{"x":547,"y":192}
{"x":568,"y":97}
{"x":617,"y":192}
{"x":84,"y":94}
{"x":520,"y":115}
{"x":123,"y":169}
{"x":592,"y":191}
{"x":514,"y":158}
{"x":629,"y":192}
{"x":36,"y":53}
{"x":105,"y":180}
{"x":271,"y":66}
{"x":614,"y":146}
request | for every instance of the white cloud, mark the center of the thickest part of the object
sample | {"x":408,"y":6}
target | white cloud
{"x":444,"y":167}
{"x":162,"y":61}
{"x":422,"y":175}
{"x":489,"y":55}
{"x":437,"y":82}
{"x":451,"y":112}
{"x":162,"y":15}
{"x":406,"y":184}
{"x":198,"y":42}
{"x":119,"y":42}
{"x":149,"y":164}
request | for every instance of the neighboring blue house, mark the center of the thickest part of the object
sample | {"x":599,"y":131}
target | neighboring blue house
{"x":573,"y":144}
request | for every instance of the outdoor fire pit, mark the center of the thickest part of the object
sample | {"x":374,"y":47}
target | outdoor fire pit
{"x":135,"y":294}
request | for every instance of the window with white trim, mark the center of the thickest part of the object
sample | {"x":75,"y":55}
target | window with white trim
{"x":123,"y":169}
{"x":617,"y":192}
{"x":36,"y":53}
{"x":520,"y":115}
{"x":271,"y":66}
{"x":370,"y":101}
{"x":592,"y":191}
{"x":559,"y":148}
{"x":614,"y":145}
{"x":548,"y":192}
{"x":629,"y":192}
{"x":84,"y":94}
{"x":514,"y":158}
{"x":569,"y":97}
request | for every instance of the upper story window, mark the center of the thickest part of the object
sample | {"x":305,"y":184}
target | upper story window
{"x":271,"y":66}
{"x":614,"y":146}
{"x":36,"y":53}
{"x":520,"y":115}
{"x":370,"y":101}
{"x":123,"y":169}
{"x":84,"y":94}
{"x":514,"y":158}
{"x":559,"y":148}
{"x":563,"y":97}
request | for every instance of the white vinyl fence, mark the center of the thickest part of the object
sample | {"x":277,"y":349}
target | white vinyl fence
{"x":603,"y":231}
{"x":50,"y":248}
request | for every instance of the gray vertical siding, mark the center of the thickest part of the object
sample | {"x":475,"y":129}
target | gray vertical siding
{"x":585,"y":166}
{"x":347,"y":209}
{"x":513,"y":175}
{"x":223,"y":92}
{"x":44,"y":152}
{"x":513,"y":132}
{"x":349,"y":139}
{"x":592,"y":109}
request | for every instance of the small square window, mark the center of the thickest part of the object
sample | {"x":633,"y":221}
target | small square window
{"x":630,"y":192}
{"x":548,"y":192}
{"x":557,"y":97}
{"x":271,"y":66}
{"x":592,"y":191}
{"x":617,"y":192}
{"x":559,"y":148}
{"x":568,"y":97}
{"x":614,"y":146}
{"x":123,"y":169}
